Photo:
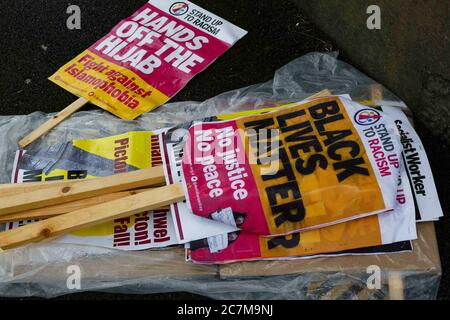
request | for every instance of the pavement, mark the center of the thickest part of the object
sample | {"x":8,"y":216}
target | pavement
{"x":35,"y":42}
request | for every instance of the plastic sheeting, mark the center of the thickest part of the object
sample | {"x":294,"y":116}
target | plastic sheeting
{"x":43,"y":269}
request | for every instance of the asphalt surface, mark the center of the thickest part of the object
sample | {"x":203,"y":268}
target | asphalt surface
{"x":35,"y":42}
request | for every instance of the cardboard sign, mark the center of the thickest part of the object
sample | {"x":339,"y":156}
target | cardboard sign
{"x":328,"y":161}
{"x":426,"y":199}
{"x":147,"y":58}
{"x":340,"y":239}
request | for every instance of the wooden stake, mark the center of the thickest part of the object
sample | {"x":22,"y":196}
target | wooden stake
{"x":50,"y":124}
{"x":12,"y":189}
{"x":395,"y":278}
{"x":396,"y":286}
{"x":59,"y":209}
{"x":81,"y":189}
{"x":376,"y":93}
{"x":85,"y":218}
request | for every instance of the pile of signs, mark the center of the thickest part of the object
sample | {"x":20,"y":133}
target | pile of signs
{"x":322,"y":177}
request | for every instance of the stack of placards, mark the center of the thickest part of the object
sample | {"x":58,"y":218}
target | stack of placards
{"x":322,"y":177}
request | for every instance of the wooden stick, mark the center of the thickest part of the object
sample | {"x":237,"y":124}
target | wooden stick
{"x":84,"y":218}
{"x":9,"y":189}
{"x":376,"y":93}
{"x":12,"y":189}
{"x":396,"y":286}
{"x":59,"y":209}
{"x":395,"y":278}
{"x":50,"y":124}
{"x":81,"y":189}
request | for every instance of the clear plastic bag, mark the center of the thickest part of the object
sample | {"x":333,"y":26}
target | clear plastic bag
{"x":42,"y":269}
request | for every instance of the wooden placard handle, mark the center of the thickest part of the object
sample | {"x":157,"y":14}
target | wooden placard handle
{"x":53,"y":122}
{"x":12,"y":189}
{"x":396,"y":286}
{"x":91,"y":216}
{"x":81,"y":189}
{"x":59,"y":209}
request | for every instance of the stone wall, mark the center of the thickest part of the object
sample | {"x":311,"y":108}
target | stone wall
{"x":410,"y":55}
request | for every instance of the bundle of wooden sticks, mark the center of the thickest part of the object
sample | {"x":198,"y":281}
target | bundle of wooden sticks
{"x":74,"y":205}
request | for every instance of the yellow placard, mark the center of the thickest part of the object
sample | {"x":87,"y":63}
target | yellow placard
{"x":108,"y":85}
